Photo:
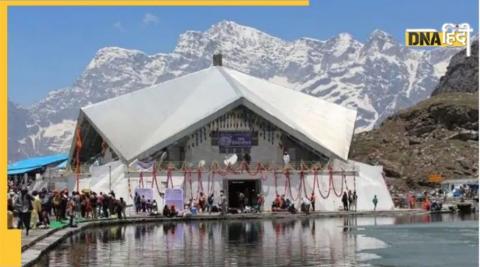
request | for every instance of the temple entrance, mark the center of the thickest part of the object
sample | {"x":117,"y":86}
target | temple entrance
{"x":249,"y":188}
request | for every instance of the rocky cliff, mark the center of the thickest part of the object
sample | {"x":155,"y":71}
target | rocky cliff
{"x":462,"y":73}
{"x":436,"y":136}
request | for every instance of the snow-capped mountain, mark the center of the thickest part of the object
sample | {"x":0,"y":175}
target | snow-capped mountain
{"x":377,"y":77}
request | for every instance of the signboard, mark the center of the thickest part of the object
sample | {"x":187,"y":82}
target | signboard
{"x":451,"y":35}
{"x":146,"y":192}
{"x":174,"y":196}
{"x":235,"y":139}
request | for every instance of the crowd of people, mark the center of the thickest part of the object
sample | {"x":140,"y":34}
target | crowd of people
{"x":36,"y":209}
{"x":349,"y":200}
{"x":208,"y":203}
{"x":253,"y":203}
{"x":145,"y":205}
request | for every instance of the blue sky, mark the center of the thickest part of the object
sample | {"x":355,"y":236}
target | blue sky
{"x":50,"y":46}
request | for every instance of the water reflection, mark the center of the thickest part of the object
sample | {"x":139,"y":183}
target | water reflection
{"x":280,"y":242}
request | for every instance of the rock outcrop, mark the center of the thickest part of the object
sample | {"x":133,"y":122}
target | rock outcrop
{"x":436,"y":136}
{"x":462,"y":73}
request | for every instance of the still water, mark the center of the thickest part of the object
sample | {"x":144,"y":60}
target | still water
{"x":426,"y":240}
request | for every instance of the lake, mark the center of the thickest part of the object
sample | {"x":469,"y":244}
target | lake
{"x":421,"y":240}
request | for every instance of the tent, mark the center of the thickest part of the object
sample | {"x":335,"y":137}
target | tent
{"x":138,"y":124}
{"x":36,"y":163}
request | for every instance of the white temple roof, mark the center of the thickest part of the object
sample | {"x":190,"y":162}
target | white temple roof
{"x":140,"y":123}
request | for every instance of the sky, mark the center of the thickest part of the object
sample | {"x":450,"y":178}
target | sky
{"x":49,"y":47}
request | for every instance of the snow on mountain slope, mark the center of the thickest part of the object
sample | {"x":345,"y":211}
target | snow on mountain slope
{"x":377,"y":77}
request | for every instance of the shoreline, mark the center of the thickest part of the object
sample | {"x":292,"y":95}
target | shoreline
{"x":37,"y":246}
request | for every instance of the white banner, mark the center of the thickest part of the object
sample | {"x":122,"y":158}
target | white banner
{"x":174,"y":196}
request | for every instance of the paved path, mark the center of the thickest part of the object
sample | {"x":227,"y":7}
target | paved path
{"x":40,"y":241}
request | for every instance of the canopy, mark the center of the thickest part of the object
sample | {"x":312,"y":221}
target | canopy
{"x":30,"y":164}
{"x":140,"y":123}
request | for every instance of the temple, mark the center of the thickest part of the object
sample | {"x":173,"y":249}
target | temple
{"x":220,"y":129}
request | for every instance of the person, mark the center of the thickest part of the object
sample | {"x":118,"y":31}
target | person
{"x":283,"y":203}
{"x":355,"y":198}
{"x":149,"y":206}
{"x":136,"y":200}
{"x":286,"y":204}
{"x":10,"y":214}
{"x":210,"y":203}
{"x":375,"y":201}
{"x":260,"y":202}
{"x":223,"y":203}
{"x":36,"y":217}
{"x":23,"y":205}
{"x":201,"y":202}
{"x":78,"y":204}
{"x":112,"y":194}
{"x":118,"y":208}
{"x":345,"y":201}
{"x":350,"y":199}
{"x":63,"y":204}
{"x":154,"y":206}
{"x":57,"y":199}
{"x":286,"y":158}
{"x":312,"y":201}
{"x":105,"y":204}
{"x":123,"y":206}
{"x":93,"y":203}
{"x":166,"y":211}
{"x":247,"y":158}
{"x":70,"y":210}
{"x":87,"y":206}
{"x":305,"y":205}
{"x":277,"y":202}
{"x":143,"y":204}
{"x":46,"y":207}
{"x":173,"y":211}
{"x":291,"y":207}
{"x":241,"y":200}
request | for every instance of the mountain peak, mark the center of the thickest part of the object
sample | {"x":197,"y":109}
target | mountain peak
{"x":379,"y":34}
{"x":344,"y":36}
{"x":226,"y":26}
{"x":110,"y":53}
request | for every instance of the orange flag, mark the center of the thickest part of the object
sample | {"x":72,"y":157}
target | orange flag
{"x":78,"y":143}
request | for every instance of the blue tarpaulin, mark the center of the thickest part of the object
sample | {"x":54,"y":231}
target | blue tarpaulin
{"x":31,"y":164}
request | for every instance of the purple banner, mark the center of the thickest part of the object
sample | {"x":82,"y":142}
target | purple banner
{"x":235,"y":139}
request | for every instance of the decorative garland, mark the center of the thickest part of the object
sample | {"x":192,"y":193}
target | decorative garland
{"x":275,"y":178}
{"x":319,"y":190}
{"x":259,"y":169}
{"x":129,"y":185}
{"x":333,"y":185}
{"x":210,"y":184}
{"x":140,"y":181}
{"x":199,"y":180}
{"x":187,"y":179}
{"x":344,"y":178}
{"x":288,"y":185}
{"x":302,"y":181}
{"x":154,"y":179}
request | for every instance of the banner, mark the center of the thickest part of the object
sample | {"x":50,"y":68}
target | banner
{"x":174,"y":196}
{"x":235,"y":139}
{"x":145,"y":166}
{"x":147,"y":193}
